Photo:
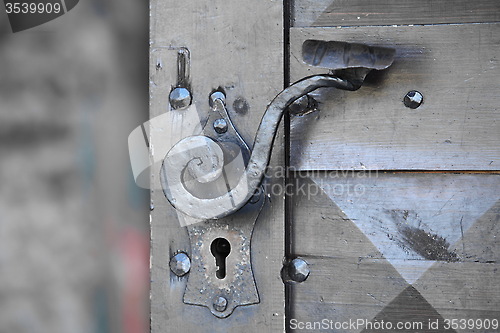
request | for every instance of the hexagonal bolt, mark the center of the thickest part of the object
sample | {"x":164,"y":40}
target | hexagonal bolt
{"x":220,"y":126}
{"x":180,"y":98}
{"x":298,"y":270}
{"x":215,"y":96}
{"x":180,"y":264}
{"x":413,"y":99}
{"x":220,"y":304}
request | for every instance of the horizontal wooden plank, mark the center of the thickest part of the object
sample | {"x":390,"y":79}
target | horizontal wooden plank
{"x":360,"y":214}
{"x":342,"y":225}
{"x":456,"y":69}
{"x":332,"y":13}
{"x":340,"y":290}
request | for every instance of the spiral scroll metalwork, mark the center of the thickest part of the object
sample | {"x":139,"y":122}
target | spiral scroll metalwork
{"x":203,"y":158}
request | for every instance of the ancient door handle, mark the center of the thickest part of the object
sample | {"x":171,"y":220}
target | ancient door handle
{"x":202,"y":158}
{"x":211,"y":176}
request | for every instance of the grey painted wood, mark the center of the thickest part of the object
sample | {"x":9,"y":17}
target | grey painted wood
{"x":351,"y":276}
{"x":456,"y":69}
{"x":237,"y":46}
{"x":332,"y":13}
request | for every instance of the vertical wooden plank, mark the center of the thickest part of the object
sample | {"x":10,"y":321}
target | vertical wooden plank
{"x":236,"y":46}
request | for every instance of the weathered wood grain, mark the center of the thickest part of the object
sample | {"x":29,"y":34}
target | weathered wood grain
{"x":353,"y":277}
{"x":332,"y":13}
{"x":456,"y":69}
{"x":236,"y":46}
{"x":349,"y":278}
{"x":389,"y":207}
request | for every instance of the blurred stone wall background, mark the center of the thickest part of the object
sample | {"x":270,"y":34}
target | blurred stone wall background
{"x":74,"y":227}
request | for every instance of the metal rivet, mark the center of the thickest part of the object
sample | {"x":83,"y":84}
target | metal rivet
{"x":303,"y":105}
{"x":299,"y":105}
{"x":298,"y":270}
{"x":215,"y":96}
{"x":413,"y":99}
{"x":180,"y":98}
{"x":220,"y":126}
{"x":220,"y":304}
{"x":180,"y":264}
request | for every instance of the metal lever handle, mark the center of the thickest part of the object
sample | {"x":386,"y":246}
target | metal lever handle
{"x":201,"y":155}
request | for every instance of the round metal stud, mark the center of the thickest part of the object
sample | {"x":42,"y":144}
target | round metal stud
{"x":298,"y":270}
{"x":220,"y":126}
{"x":180,"y":98}
{"x":220,"y":304}
{"x":413,"y":99}
{"x":180,"y":264}
{"x":215,"y":96}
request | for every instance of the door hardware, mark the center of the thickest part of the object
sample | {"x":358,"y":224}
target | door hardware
{"x":216,"y":179}
{"x":350,"y":62}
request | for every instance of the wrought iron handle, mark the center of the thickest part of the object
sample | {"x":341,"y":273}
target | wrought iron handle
{"x":203,"y":158}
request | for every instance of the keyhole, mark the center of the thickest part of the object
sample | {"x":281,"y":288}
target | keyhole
{"x":220,"y":250}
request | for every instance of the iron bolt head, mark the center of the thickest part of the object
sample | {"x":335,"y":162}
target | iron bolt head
{"x":298,"y":270}
{"x":215,"y":96}
{"x":299,"y":105}
{"x":180,"y":98}
{"x":303,"y":105}
{"x":413,"y":99}
{"x":220,"y":126}
{"x":220,"y":304}
{"x":180,"y":264}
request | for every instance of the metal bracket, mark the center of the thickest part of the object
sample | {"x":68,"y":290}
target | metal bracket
{"x":219,"y":286}
{"x":237,"y":288}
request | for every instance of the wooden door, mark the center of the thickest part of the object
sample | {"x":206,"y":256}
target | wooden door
{"x":394,"y":209}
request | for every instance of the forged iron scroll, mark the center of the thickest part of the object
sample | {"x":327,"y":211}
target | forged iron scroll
{"x":180,"y":157}
{"x":352,"y":62}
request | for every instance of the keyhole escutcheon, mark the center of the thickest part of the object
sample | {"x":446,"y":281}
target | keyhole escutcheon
{"x":220,"y":250}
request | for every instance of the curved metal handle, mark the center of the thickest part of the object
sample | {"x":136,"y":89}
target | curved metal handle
{"x":203,"y":158}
